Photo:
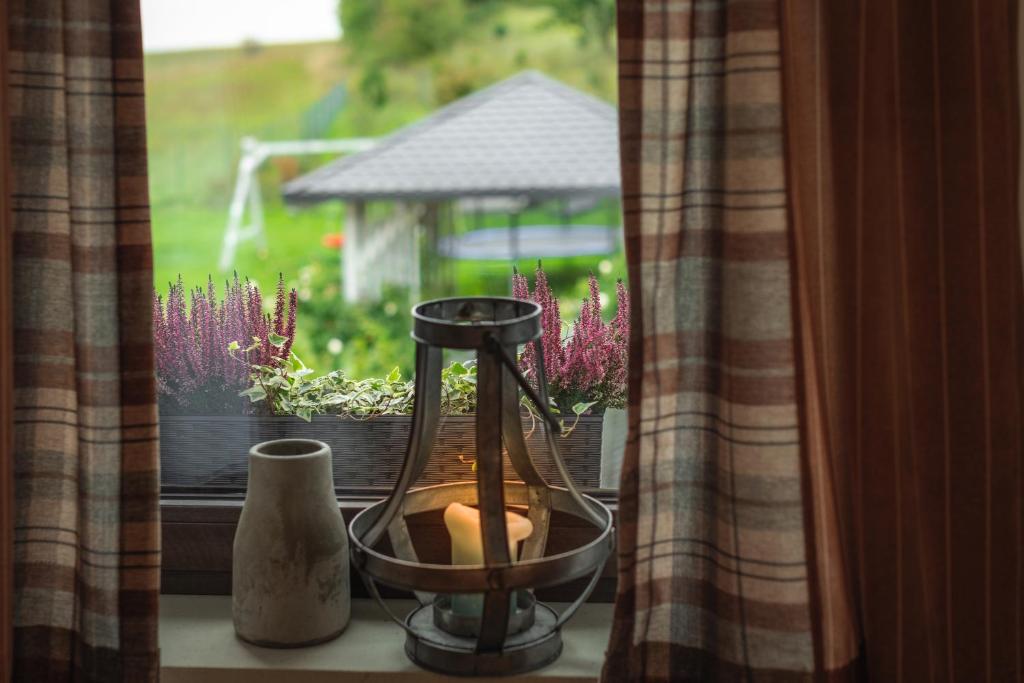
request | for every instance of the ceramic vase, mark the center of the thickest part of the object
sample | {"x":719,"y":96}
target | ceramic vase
{"x":290,"y":581}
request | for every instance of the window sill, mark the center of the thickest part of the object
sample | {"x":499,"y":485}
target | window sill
{"x":198,"y":645}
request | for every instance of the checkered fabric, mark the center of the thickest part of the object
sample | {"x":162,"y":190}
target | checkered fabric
{"x":713,"y":571}
{"x":87,"y":546}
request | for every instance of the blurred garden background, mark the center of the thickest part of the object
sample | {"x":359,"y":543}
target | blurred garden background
{"x":396,"y":62}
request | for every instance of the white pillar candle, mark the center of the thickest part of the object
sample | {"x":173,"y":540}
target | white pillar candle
{"x":463,"y":524}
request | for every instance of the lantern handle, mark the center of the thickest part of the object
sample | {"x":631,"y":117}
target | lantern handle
{"x":539,"y":398}
{"x":556,"y":454}
{"x":539,"y":495}
{"x":371,"y":588}
{"x":567,"y":613}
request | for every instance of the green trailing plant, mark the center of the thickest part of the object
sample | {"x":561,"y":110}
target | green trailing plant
{"x":586,"y":370}
{"x":458,"y":389}
{"x":337,"y":394}
{"x":287,"y":388}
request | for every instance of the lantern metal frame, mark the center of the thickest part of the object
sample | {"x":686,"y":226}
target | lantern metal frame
{"x":514,"y":633}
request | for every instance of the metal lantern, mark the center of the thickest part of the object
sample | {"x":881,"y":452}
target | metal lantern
{"x":511,"y":632}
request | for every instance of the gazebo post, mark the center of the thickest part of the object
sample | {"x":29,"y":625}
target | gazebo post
{"x":614,"y":217}
{"x":429,"y":255}
{"x":415,"y":266}
{"x":513,"y":236}
{"x":351,"y":258}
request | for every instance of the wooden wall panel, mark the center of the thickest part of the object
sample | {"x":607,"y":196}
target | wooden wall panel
{"x":197,"y":539}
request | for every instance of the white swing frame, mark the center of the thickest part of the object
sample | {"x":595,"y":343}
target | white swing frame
{"x":247,"y":188}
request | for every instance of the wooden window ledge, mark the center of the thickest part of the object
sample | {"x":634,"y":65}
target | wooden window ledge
{"x":198,"y":645}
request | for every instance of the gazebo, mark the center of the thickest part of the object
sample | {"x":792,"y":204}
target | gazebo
{"x":524,"y":141}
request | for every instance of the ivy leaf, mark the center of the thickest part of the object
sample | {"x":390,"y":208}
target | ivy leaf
{"x":581,"y":408}
{"x":234,"y":346}
{"x":305,"y":413}
{"x":255,"y":394}
{"x":276,"y":339}
{"x":395,"y":375}
{"x":457,"y":369}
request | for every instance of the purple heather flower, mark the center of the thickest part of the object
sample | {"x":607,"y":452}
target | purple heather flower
{"x":191,"y":340}
{"x":590,"y":364}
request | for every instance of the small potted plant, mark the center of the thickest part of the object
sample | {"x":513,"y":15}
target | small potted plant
{"x":199,"y":379}
{"x":227,"y":380}
{"x":372,"y":417}
{"x":586,"y":368}
{"x":193,"y":335}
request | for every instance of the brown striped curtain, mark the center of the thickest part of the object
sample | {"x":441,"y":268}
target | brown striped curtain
{"x":86,"y":506}
{"x":824,"y":476}
{"x":904,"y":154}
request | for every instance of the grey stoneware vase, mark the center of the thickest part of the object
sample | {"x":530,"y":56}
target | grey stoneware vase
{"x":290,"y":581}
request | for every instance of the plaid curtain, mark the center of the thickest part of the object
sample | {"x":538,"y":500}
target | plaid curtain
{"x":86,"y":537}
{"x":713,"y":559}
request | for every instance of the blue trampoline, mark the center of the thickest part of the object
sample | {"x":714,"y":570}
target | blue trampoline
{"x":530,"y":241}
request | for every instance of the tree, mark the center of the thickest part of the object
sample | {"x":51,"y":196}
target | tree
{"x":383,"y":34}
{"x":596,"y":18}
{"x":395,"y":32}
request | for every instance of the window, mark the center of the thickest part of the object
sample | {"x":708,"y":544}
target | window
{"x":309,"y":185}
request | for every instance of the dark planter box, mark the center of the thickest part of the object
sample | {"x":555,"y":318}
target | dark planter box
{"x":198,"y":452}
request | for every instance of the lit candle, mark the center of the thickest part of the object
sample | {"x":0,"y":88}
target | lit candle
{"x":463,"y":524}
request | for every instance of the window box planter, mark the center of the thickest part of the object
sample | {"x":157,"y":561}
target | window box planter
{"x":200,"y":453}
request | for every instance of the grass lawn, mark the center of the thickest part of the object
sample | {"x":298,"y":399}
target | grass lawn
{"x":192,"y":247}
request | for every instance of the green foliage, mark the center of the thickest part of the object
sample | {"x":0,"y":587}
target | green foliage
{"x":453,"y":47}
{"x":386,"y":34}
{"x":580,"y":408}
{"x":458,"y":389}
{"x":595,"y":18}
{"x":289,"y":389}
{"x":397,"y":32}
{"x":373,"y":336}
{"x":337,"y":394}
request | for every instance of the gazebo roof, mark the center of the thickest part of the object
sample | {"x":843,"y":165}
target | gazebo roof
{"x":527,"y":136}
